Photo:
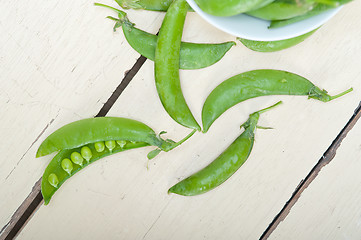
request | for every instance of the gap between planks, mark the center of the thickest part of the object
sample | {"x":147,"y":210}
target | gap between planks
{"x":34,"y":200}
{"x":325,"y":160}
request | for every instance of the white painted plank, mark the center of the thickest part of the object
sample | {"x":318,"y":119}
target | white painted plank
{"x":118,"y":198}
{"x":330,"y":208}
{"x":59,"y":62}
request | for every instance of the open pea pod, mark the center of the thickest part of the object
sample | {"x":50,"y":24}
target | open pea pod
{"x":273,"y":46}
{"x":70,"y":161}
{"x":85,"y":141}
{"x":263,"y":82}
{"x":102,"y":129}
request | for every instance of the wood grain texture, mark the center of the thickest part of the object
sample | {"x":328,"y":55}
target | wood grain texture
{"x":330,"y":207}
{"x":327,"y":157}
{"x":59,"y":62}
{"x":118,"y":198}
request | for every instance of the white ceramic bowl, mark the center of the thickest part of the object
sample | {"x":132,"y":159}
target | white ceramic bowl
{"x":252,"y":28}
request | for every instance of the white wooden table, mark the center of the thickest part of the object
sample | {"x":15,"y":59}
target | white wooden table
{"x":60,"y":62}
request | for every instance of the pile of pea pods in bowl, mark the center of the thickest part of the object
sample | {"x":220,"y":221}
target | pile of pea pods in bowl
{"x":267,"y":20}
{"x":83,"y":142}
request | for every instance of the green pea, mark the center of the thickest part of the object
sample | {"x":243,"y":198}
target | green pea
{"x":86,"y":153}
{"x":99,"y":146}
{"x":121,"y":143}
{"x":53,"y":180}
{"x":110,"y":145}
{"x":77,"y":158}
{"x":67,"y":165}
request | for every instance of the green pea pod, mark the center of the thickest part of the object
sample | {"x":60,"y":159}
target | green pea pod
{"x":273,"y":46}
{"x":166,"y":65}
{"x":192,"y":55}
{"x":264,"y":82}
{"x":92,"y":130}
{"x":60,"y":168}
{"x":152,"y":5}
{"x":282,"y":9}
{"x":230,"y":7}
{"x":318,"y":9}
{"x":224,"y":166}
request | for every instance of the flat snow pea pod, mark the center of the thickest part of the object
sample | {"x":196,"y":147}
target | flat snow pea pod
{"x":92,"y":130}
{"x":61,"y":168}
{"x":264,"y":82}
{"x":166,"y":65}
{"x":224,"y":166}
{"x":230,"y":7}
{"x":192,"y":55}
{"x":273,"y":46}
{"x":282,"y":9}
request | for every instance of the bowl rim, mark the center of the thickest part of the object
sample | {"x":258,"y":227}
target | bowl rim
{"x":258,"y":28}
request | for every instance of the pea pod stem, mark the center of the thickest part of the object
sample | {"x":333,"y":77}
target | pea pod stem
{"x":269,"y":108}
{"x":176,"y":144}
{"x":225,"y":165}
{"x":342,"y":94}
{"x":171,"y":145}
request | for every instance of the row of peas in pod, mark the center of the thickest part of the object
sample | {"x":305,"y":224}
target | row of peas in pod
{"x":83,"y":142}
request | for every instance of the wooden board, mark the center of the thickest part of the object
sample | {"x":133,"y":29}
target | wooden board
{"x":118,"y":197}
{"x":59,"y":62}
{"x":330,"y":207}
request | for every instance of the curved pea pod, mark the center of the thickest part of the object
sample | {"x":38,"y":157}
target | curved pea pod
{"x":61,"y":168}
{"x":273,"y":46}
{"x":282,"y":9}
{"x":264,"y":82}
{"x":230,"y":7}
{"x":191,"y":56}
{"x":92,"y":130}
{"x":166,"y":65}
{"x":225,"y":165}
